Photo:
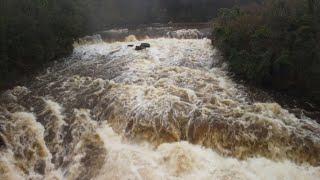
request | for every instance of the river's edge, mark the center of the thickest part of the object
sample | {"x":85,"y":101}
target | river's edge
{"x":299,"y":106}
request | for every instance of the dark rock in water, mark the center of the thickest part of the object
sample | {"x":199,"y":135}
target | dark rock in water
{"x":142,"y":46}
{"x":146,"y":45}
{"x":138,"y":48}
{"x":130,"y":45}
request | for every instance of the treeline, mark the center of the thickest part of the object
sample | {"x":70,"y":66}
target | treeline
{"x":34,"y":32}
{"x":195,"y":10}
{"x":275,"y":43}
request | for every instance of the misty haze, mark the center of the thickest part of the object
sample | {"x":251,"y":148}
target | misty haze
{"x":160,"y":89}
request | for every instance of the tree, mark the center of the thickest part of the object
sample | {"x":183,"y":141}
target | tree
{"x":277,"y":46}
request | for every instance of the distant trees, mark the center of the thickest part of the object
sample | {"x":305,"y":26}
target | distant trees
{"x":274,"y":43}
{"x":196,"y":10}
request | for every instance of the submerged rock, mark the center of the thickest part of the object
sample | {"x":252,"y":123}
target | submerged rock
{"x":138,"y":48}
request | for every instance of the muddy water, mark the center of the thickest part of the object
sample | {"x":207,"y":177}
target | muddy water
{"x":166,"y":112}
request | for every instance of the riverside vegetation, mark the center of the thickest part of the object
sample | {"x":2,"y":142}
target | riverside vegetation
{"x":274,"y":44}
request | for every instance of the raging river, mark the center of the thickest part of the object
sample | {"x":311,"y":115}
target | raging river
{"x":170,"y":111}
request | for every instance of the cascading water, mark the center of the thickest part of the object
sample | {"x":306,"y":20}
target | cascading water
{"x":166,"y":112}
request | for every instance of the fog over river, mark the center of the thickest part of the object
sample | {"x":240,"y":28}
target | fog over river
{"x":170,"y":111}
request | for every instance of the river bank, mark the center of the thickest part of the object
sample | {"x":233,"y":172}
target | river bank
{"x":272,"y":47}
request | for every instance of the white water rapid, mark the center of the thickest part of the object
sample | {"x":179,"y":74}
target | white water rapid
{"x":166,"y":112}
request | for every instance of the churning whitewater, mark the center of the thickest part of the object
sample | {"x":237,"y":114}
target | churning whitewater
{"x":166,"y":112}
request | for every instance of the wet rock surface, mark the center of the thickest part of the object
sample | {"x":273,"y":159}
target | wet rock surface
{"x":142,"y":46}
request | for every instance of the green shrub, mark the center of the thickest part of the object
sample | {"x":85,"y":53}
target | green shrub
{"x":275,"y":45}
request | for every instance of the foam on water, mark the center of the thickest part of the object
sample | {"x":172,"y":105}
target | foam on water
{"x":166,"y":112}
